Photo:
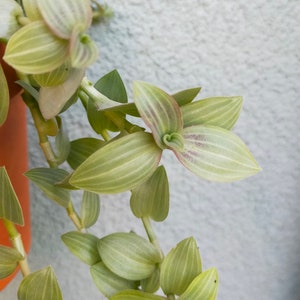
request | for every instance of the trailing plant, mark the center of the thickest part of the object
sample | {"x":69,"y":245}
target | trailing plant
{"x":47,"y":44}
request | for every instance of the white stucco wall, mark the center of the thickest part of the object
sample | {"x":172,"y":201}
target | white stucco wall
{"x":249,"y":230}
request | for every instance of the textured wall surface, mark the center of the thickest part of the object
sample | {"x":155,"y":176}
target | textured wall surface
{"x":249,"y":229}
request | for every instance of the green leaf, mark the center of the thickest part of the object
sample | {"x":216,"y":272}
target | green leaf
{"x":186,"y":96}
{"x":90,"y":209}
{"x":218,"y":111}
{"x":30,"y":89}
{"x":112,"y":86}
{"x":216,"y":154}
{"x":129,"y":255}
{"x":45,"y":179}
{"x":159,"y":111}
{"x":40,"y":285}
{"x":203,"y":287}
{"x":83,"y":246}
{"x":9,"y":258}
{"x":62,"y":143}
{"x":118,"y":166}
{"x":83,"y":50}
{"x":135,"y":295}
{"x":32,"y":10}
{"x":151,"y":284}
{"x":180,"y":267}
{"x":4,"y":97}
{"x":53,"y":99}
{"x":35,"y":41}
{"x":63,"y":16}
{"x":81,"y":149}
{"x":10,"y":208}
{"x":108,"y":283}
{"x":151,"y":198}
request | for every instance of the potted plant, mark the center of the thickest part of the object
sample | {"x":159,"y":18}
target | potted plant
{"x":47,"y":45}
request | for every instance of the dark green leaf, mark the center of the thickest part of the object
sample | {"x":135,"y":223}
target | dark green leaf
{"x":81,"y":149}
{"x":186,"y":96}
{"x":9,"y":258}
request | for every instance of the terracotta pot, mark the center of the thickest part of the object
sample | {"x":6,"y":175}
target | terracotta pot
{"x":14,"y":156}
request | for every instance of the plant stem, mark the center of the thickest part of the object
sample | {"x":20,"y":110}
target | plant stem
{"x":151,"y":234}
{"x":17,"y":243}
{"x":74,"y":217}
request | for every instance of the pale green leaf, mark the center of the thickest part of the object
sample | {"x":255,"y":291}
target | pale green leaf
{"x":28,"y":88}
{"x":159,"y":111}
{"x":46,"y":178}
{"x":52,"y":99}
{"x":186,"y":96}
{"x":108,"y":283}
{"x":10,"y":10}
{"x":216,"y":154}
{"x":129,"y":255}
{"x":10,"y":208}
{"x":83,"y":246}
{"x":83,"y":50}
{"x":90,"y":209}
{"x":55,"y":77}
{"x":203,"y":287}
{"x":218,"y":111}
{"x":62,"y":16}
{"x":181,"y":265}
{"x":151,"y":198}
{"x":151,"y":284}
{"x":32,"y":10}
{"x":118,"y":166}
{"x":62,"y":143}
{"x":81,"y":149}
{"x":9,"y":258}
{"x":35,"y":41}
{"x":40,"y":285}
{"x":135,"y":295}
{"x":4,"y":97}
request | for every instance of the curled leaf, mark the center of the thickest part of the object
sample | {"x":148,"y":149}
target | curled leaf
{"x":159,"y":111}
{"x":216,"y":154}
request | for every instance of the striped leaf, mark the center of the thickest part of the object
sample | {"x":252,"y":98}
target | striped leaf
{"x":180,"y":267}
{"x":52,"y":99}
{"x":159,"y":111}
{"x":218,"y":111}
{"x":118,"y":166}
{"x":62,"y":143}
{"x":81,"y":149}
{"x":9,"y":258}
{"x":40,"y":285}
{"x":90,"y":209}
{"x":203,"y":287}
{"x":135,"y":295}
{"x":10,"y":208}
{"x":216,"y":154}
{"x":35,"y":41}
{"x":108,"y":283}
{"x":32,"y":10}
{"x":151,"y":198}
{"x":83,"y":246}
{"x":62,"y":16}
{"x":83,"y":50}
{"x":129,"y":255}
{"x":186,"y":96}
{"x":46,"y":178}
{"x":4,"y":97}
